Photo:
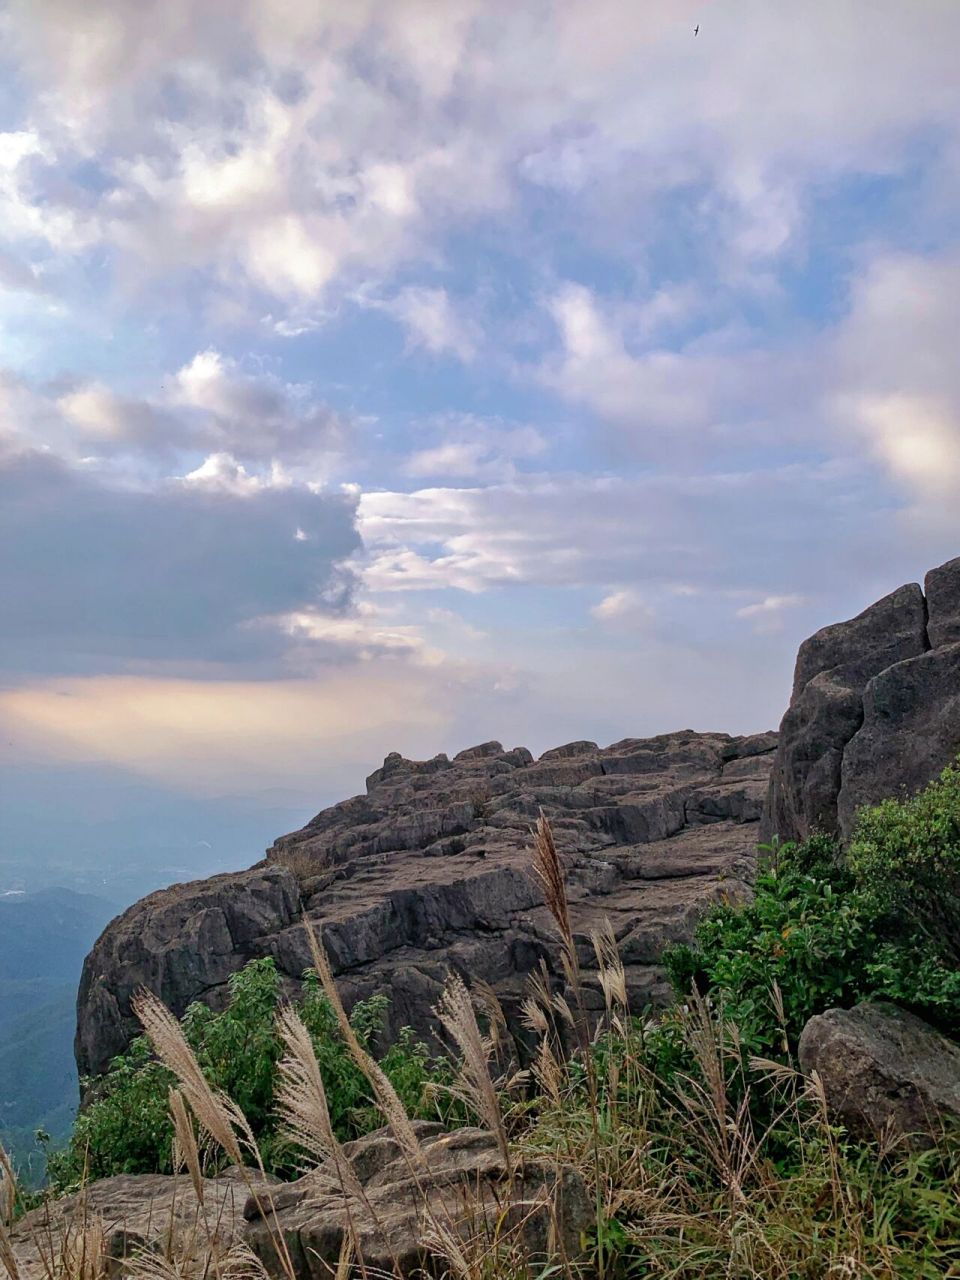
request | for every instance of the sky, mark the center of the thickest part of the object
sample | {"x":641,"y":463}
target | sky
{"x":397,"y":376}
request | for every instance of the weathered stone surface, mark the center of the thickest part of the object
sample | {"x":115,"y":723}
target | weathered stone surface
{"x":942,"y":590}
{"x":429,"y":872}
{"x":181,"y":943}
{"x":875,"y":710}
{"x":883,"y":1068}
{"x":911,"y":729}
{"x":463,"y":1188}
{"x":135,"y":1212}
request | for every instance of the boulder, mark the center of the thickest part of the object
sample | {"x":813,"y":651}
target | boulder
{"x":884,"y":1070}
{"x":130,"y":1214}
{"x":875,"y":710}
{"x":429,"y":872}
{"x":463,"y":1189}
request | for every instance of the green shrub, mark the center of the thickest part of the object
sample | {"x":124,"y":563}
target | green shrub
{"x":905,"y":856}
{"x":802,"y":935}
{"x":126,"y":1129}
{"x":826,"y":930}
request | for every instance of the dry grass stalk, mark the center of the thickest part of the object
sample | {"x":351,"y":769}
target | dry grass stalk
{"x":393,"y":1110}
{"x":237,"y":1262}
{"x":8,"y":1189}
{"x":549,"y":871}
{"x":83,"y":1251}
{"x":489,"y":1003}
{"x":613,"y":979}
{"x":727,"y":1134}
{"x":548,"y":1072}
{"x":533,"y":1017}
{"x":218,"y":1114}
{"x":186,"y":1154}
{"x":456,"y":1014}
{"x":302,"y":1104}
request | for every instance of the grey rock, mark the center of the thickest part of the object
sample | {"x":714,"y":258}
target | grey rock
{"x":874,"y":711}
{"x":137,"y":1213}
{"x":429,"y":872}
{"x":179,"y":943}
{"x":463,"y":1186}
{"x":884,"y":1069}
{"x":910,"y":730}
{"x":942,"y":590}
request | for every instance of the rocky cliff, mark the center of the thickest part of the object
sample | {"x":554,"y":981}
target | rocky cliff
{"x":875,"y":710}
{"x":429,"y":870}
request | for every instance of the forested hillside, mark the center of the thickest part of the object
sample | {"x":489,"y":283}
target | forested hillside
{"x":43,"y":939}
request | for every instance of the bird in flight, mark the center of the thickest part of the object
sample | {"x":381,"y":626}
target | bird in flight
{"x":696,"y":29}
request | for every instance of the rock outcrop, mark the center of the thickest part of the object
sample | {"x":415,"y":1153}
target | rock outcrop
{"x":884,"y":1070}
{"x":129,"y":1214}
{"x":463,"y":1189}
{"x":875,"y":710}
{"x":428,"y":872}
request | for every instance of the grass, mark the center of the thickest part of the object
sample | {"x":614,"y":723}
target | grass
{"x":701,"y":1158}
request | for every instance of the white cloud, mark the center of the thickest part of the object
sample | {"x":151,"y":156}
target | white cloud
{"x":767,"y":614}
{"x":211,"y":405}
{"x":431,"y":322}
{"x":895,"y":378}
{"x":655,"y":392}
{"x":222,"y":473}
{"x":726,"y":530}
{"x":625,"y":605}
{"x":294,"y":145}
{"x":472,"y":448}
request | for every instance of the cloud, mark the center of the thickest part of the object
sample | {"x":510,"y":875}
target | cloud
{"x":97,"y":577}
{"x":623,"y":606}
{"x":211,"y":405}
{"x":768,"y":612}
{"x":431,"y":321}
{"x":474,"y":448}
{"x":301,"y":150}
{"x":654,"y":393}
{"x":731,"y":530}
{"x":895,"y":382}
{"x":209,"y":736}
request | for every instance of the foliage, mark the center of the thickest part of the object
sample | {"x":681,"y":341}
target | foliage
{"x":905,"y":856}
{"x":126,"y":1128}
{"x":822,"y":930}
{"x":798,"y":947}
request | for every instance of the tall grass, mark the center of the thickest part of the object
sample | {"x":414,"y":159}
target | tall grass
{"x":700,"y":1161}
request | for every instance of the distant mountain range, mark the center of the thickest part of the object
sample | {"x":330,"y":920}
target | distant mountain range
{"x":44,"y":937}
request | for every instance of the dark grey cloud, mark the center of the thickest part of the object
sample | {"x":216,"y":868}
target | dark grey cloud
{"x":99,"y":579}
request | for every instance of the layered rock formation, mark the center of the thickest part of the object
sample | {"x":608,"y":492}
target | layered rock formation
{"x":875,"y":710}
{"x":428,"y":872}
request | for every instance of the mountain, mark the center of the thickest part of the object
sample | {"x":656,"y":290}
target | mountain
{"x":44,"y":937}
{"x":429,"y":870}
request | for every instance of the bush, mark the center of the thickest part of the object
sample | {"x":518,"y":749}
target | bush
{"x":905,"y":856}
{"x":802,"y":936}
{"x":824,"y":930}
{"x":126,"y":1129}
